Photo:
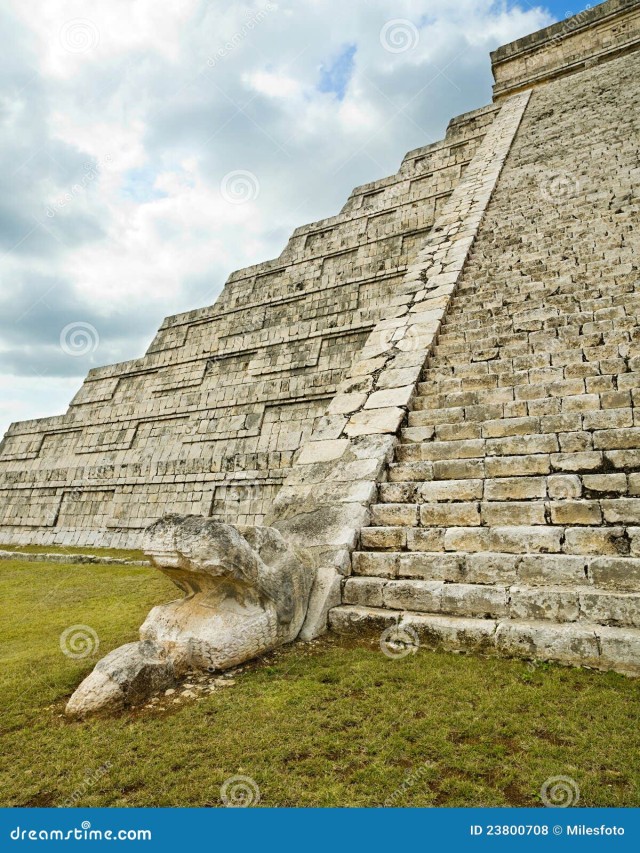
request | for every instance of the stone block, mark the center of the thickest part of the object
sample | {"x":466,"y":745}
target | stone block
{"x":357,"y":621}
{"x":477,"y":600}
{"x":452,"y":632}
{"x":568,"y":643}
{"x":544,"y":603}
{"x":364,"y":591}
{"x":564,"y":487}
{"x":449,"y":515}
{"x":615,"y":609}
{"x":619,"y":574}
{"x":375,"y":564}
{"x":621,"y":511}
{"x":375,"y":421}
{"x":575,"y":512}
{"x":420,"y":595}
{"x":444,"y":567}
{"x":489,"y":568}
{"x":596,"y":540}
{"x":515,"y":489}
{"x":383,"y":538}
{"x":387,"y":398}
{"x":322,"y":451}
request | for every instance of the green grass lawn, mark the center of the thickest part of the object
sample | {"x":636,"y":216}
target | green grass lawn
{"x":333,"y":723}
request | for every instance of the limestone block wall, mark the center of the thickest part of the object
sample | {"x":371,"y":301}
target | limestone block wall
{"x":210,"y":419}
{"x":594,"y":35}
{"x":510,"y":520}
{"x":326,"y":499}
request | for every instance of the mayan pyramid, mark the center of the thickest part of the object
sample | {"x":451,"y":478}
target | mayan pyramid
{"x":433,"y":391}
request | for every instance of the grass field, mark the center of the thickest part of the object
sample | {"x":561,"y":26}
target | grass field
{"x":333,"y":723}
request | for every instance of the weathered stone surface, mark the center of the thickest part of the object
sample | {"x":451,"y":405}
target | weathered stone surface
{"x":520,"y":459}
{"x":450,"y":632}
{"x":244,"y":593}
{"x":616,"y":573}
{"x":568,"y":643}
{"x":549,"y":603}
{"x":125,"y":676}
{"x":375,"y":421}
{"x":466,"y":418}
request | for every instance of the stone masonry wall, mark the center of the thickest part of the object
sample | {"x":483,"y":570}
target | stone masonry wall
{"x":511,"y":518}
{"x":209,"y":420}
{"x":594,"y":35}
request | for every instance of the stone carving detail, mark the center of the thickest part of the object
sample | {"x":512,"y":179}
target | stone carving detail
{"x":245,"y":592}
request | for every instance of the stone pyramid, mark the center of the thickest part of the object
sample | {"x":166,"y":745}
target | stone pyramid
{"x":433,"y":392}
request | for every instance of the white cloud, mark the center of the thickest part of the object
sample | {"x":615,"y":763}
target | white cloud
{"x":157,"y":103}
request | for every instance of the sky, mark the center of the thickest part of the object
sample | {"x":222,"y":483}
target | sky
{"x":149,"y":149}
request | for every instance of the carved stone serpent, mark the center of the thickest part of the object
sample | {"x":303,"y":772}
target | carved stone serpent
{"x":245,"y":592}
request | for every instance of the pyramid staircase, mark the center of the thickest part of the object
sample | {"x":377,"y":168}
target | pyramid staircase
{"x":510,"y":520}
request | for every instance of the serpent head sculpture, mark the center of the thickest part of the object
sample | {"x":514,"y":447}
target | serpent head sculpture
{"x":245,"y":592}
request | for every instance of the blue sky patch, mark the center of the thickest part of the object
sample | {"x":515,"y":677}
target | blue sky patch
{"x":335,"y":77}
{"x":138,"y":185}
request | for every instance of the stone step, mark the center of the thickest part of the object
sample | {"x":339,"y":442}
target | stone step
{"x":418,"y":449}
{"x":470,"y":513}
{"x":497,"y":427}
{"x":580,"y":644}
{"x":505,"y":339}
{"x":536,"y":399}
{"x":607,"y":570}
{"x":533,"y":454}
{"x":411,"y":481}
{"x":511,"y":539}
{"x":579,"y":603}
{"x":596,"y":307}
{"x":546,"y":319}
{"x":581,"y":399}
{"x":613,"y":376}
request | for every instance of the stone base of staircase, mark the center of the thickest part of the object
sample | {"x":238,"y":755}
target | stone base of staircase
{"x":578,"y":644}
